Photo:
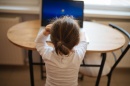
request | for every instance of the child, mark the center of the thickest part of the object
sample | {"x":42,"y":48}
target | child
{"x":63,"y":60}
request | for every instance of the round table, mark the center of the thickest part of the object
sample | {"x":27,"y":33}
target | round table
{"x":102,"y":38}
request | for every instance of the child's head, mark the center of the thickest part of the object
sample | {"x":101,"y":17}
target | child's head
{"x":64,"y":34}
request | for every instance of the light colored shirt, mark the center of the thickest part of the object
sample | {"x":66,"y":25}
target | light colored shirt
{"x":61,"y":70}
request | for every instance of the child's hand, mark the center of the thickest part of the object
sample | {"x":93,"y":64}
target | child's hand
{"x":47,"y":29}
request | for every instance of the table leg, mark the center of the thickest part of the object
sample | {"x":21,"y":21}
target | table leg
{"x":41,"y":66}
{"x":31,"y":67}
{"x":101,"y":69}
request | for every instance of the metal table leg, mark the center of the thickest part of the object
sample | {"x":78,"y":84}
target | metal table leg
{"x":101,"y":69}
{"x":41,"y":67}
{"x":31,"y":67}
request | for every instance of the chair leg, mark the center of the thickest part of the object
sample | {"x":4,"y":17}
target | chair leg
{"x":41,"y":67}
{"x":109,"y":79}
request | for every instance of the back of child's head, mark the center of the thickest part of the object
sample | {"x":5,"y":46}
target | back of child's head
{"x":64,"y":34}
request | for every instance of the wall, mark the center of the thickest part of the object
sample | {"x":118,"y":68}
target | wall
{"x":23,"y":17}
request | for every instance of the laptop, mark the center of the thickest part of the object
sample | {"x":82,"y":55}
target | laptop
{"x":51,"y":9}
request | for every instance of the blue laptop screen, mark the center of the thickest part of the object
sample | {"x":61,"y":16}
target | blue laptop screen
{"x":53,"y":9}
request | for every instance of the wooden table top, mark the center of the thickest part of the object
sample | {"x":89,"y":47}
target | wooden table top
{"x":102,"y":38}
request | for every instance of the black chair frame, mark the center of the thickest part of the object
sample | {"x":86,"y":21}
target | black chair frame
{"x":123,"y":51}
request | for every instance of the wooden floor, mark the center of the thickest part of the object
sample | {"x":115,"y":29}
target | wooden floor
{"x":19,"y":76}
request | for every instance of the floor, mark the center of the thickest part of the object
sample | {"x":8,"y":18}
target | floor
{"x":19,"y":76}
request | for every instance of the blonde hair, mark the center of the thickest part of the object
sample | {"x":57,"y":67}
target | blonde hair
{"x":64,"y":34}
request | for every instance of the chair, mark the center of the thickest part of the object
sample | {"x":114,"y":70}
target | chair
{"x":95,"y":58}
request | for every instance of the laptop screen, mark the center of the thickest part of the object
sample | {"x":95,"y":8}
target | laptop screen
{"x":55,"y":9}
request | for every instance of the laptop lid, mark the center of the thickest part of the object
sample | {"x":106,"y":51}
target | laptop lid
{"x":51,"y":9}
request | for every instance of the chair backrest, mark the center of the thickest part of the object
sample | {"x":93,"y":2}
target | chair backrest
{"x":123,"y":51}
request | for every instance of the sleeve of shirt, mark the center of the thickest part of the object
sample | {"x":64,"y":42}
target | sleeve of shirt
{"x":41,"y":45}
{"x":80,"y":50}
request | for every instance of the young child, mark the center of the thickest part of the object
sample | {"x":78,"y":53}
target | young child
{"x":63,"y":60}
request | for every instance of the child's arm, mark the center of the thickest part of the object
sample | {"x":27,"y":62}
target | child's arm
{"x":83,"y":36}
{"x":40,"y":40}
{"x":42,"y":35}
{"x":82,"y":46}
